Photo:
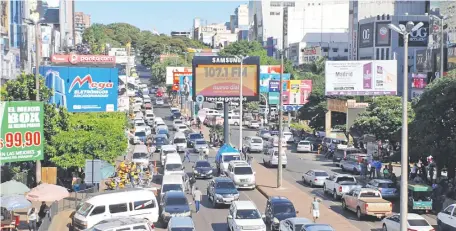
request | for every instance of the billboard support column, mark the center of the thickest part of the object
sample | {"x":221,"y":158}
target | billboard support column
{"x":226,"y":125}
{"x":279,"y":164}
{"x":37,"y":86}
{"x":328,"y":122}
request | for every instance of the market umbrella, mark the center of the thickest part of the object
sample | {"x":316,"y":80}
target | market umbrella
{"x":47,"y":192}
{"x":14,"y":202}
{"x":107,"y":170}
{"x":13,"y":187}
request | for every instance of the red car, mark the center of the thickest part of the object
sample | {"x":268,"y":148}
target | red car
{"x":159,"y":93}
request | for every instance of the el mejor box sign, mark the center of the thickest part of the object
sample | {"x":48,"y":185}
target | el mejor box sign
{"x":21,"y":136}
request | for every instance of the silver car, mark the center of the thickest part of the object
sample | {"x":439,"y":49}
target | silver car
{"x":314,"y":177}
{"x":201,"y":145}
{"x":385,"y":186}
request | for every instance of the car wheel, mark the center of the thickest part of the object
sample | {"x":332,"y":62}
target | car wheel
{"x":214,"y":203}
{"x":324,"y":189}
{"x":344,"y":206}
{"x":269,"y":164}
{"x":236,"y":124}
{"x":384,"y":228}
{"x":335,"y":195}
{"x":311,"y":184}
{"x":342,"y":167}
{"x":358,"y":214}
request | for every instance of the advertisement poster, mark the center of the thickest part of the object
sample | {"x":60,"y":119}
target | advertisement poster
{"x":366,"y":36}
{"x":270,"y":69}
{"x":310,"y":54}
{"x":419,"y":80}
{"x":285,"y":97}
{"x":273,"y":98}
{"x":74,"y":59}
{"x":352,"y":77}
{"x":418,"y":38}
{"x":170,"y":70}
{"x":83,"y":89}
{"x":186,"y":85}
{"x":265,"y":78}
{"x":423,"y":60}
{"x":217,"y":78}
{"x":382,"y":34}
{"x":274,"y":86}
{"x":305,"y":89}
{"x":21,"y":133}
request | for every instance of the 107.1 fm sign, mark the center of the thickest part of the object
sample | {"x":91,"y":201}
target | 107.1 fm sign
{"x":418,"y":38}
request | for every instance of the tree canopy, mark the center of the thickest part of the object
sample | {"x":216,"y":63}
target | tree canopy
{"x":159,"y":68}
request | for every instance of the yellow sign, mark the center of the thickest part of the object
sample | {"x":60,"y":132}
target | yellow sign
{"x":294,"y":86}
{"x":337,"y":105}
{"x":223,"y":80}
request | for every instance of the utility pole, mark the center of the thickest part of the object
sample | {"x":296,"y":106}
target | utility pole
{"x":280,"y":167}
{"x":37,"y":85}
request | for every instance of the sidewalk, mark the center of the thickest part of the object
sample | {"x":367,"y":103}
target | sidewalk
{"x":300,"y":199}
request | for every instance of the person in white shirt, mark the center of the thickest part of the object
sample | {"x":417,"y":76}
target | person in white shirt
{"x":32,"y":218}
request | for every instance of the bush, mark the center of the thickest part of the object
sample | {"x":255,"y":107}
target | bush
{"x":301,"y":126}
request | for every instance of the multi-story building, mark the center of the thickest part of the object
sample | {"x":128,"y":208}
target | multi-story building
{"x":81,"y":22}
{"x":205,"y":33}
{"x":240,"y":19}
{"x":66,"y":17}
{"x":186,"y":34}
{"x":12,"y":38}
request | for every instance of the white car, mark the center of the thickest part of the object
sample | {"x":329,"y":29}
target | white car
{"x":159,"y":101}
{"x":244,"y":215}
{"x":140,"y":123}
{"x":144,"y":128}
{"x":271,"y":157}
{"x":314,"y":177}
{"x":254,"y":124}
{"x":174,"y":109}
{"x":242,"y":174}
{"x":446,"y":219}
{"x":182,"y":128}
{"x":288,"y":137}
{"x":304,"y":146}
{"x":253,"y":143}
{"x":201,"y":145}
{"x":177,"y":123}
{"x":149,"y":115}
{"x":415,"y":223}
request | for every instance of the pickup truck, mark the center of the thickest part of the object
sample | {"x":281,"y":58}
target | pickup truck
{"x":366,"y":202}
{"x":339,"y":184}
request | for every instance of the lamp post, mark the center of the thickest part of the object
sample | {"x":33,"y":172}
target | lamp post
{"x":242,"y":58}
{"x":442,"y":42}
{"x":405,"y":31}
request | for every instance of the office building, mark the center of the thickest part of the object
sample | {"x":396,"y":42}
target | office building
{"x":66,"y":17}
{"x":12,"y":32}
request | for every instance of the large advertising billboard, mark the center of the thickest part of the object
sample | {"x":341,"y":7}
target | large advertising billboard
{"x":382,"y":34}
{"x":418,"y":38}
{"x":171,"y":70}
{"x":74,"y":59}
{"x":366,"y":38}
{"x":186,"y":85}
{"x":217,"y":78}
{"x":21,"y":133}
{"x":267,"y":79}
{"x":366,"y":77}
{"x":299,"y":91}
{"x":83,"y":89}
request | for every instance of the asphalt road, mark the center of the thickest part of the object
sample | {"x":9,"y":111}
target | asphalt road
{"x":210,"y":218}
{"x":300,"y":163}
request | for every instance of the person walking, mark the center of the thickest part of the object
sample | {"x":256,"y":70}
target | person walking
{"x":378,"y":168}
{"x":192,"y":182}
{"x":32,"y":218}
{"x":413,"y":171}
{"x":187,"y":155}
{"x":372,"y":169}
{"x":43,"y":211}
{"x":197,"y":198}
{"x":315,"y":209}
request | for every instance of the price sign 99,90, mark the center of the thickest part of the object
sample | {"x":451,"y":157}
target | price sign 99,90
{"x":19,"y":139}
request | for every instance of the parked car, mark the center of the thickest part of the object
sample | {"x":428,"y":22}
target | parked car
{"x":385,"y":186}
{"x":446,"y":219}
{"x":304,"y":146}
{"x":314,"y":177}
{"x":278,"y":209}
{"x":339,"y":184}
{"x":366,"y":202}
{"x":414,"y":222}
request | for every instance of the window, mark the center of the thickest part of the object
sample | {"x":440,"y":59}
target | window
{"x":335,"y":49}
{"x":418,"y":222}
{"x":98,"y":210}
{"x":325,"y":49}
{"x":345,"y":50}
{"x":243,"y":171}
{"x":176,"y":201}
{"x":448,"y":210}
{"x":248,"y":214}
{"x":124,"y":229}
{"x":377,"y":55}
{"x":321,"y":174}
{"x":171,"y":187}
{"x":118,"y":208}
{"x":203,"y":164}
{"x":147,"y":204}
{"x":382,"y":54}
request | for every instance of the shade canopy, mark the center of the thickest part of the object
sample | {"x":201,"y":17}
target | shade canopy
{"x":47,"y":192}
{"x":15,"y":202}
{"x":13,"y":187}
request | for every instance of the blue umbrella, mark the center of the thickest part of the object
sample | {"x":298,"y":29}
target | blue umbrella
{"x":107,"y":170}
{"x":14,"y":202}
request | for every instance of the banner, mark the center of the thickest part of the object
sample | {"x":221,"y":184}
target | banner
{"x":423,"y":60}
{"x":218,"y":78}
{"x":366,"y":77}
{"x":273,"y":98}
{"x":74,"y":59}
{"x":299,"y":91}
{"x":21,"y":133}
{"x":170,"y":70}
{"x":265,"y":78}
{"x":270,"y":69}
{"x":186,"y":85}
{"x":366,"y":35}
{"x":382,"y":34}
{"x":285,"y":97}
{"x":83,"y":89}
{"x":418,"y":38}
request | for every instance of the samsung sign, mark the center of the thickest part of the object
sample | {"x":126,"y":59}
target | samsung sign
{"x":418,"y":38}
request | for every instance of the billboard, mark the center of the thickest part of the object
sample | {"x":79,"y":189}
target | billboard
{"x":366,"y":36}
{"x":366,"y":77}
{"x":270,"y":69}
{"x":299,"y":91}
{"x":418,"y":38}
{"x":176,"y":79}
{"x":310,"y":54}
{"x":419,"y":80}
{"x":266,"y":78}
{"x":217,"y":78}
{"x":382,"y":34}
{"x":423,"y":60}
{"x":81,"y":60}
{"x":186,"y":85}
{"x":83,"y":89}
{"x":170,"y":70}
{"x":273,"y":98}
{"x":21,"y":133}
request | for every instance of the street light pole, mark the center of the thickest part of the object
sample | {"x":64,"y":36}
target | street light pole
{"x":280,"y":167}
{"x":405,"y":32}
{"x":241,"y":84}
{"x":441,"y":46}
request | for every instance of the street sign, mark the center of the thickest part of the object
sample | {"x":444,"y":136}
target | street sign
{"x":199,"y":99}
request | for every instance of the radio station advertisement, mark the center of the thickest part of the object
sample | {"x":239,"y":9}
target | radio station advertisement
{"x":21,"y":133}
{"x":364,"y":77}
{"x":83,"y":89}
{"x":217,"y":79}
{"x":265,"y":78}
{"x":170,"y":73}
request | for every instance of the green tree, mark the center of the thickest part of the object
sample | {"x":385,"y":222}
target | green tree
{"x":159,"y":69}
{"x":383,"y":118}
{"x":432,"y":131}
{"x":99,"y":135}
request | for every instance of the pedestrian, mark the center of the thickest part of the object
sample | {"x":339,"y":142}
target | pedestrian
{"x":386,"y":172}
{"x":315,"y":209}
{"x":431,"y":172}
{"x":372,"y":169}
{"x":187,"y":155}
{"x":390,"y":167}
{"x":43,"y":211}
{"x":249,"y":160}
{"x":413,"y":171}
{"x":378,"y":168}
{"x":197,"y":198}
{"x":363,"y":169}
{"x":32,"y":217}
{"x":192,"y":182}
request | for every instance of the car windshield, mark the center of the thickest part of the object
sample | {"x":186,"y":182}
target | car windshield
{"x":139,"y":155}
{"x":183,"y":127}
{"x":228,"y":158}
{"x":85,"y":209}
{"x":287,"y":134}
{"x":139,"y":124}
{"x":386,"y":185}
{"x":182,"y":229}
{"x":225,"y":184}
{"x":318,"y":227}
{"x":257,"y":141}
{"x":177,"y":201}
{"x":283,"y":208}
{"x":173,"y":167}
{"x":254,"y":122}
{"x":347,"y":179}
{"x":321,"y":174}
{"x":370,"y":194}
{"x":174,"y":111}
{"x":298,"y":227}
{"x":339,"y":142}
{"x":195,"y":136}
{"x":264,"y":132}
{"x":200,"y":142}
{"x":418,"y":222}
{"x":162,"y":142}
{"x":203,"y":164}
{"x":169,"y":151}
{"x":178,"y":122}
{"x":140,"y":133}
{"x":172,"y":187}
{"x":177,"y":114}
{"x":248,"y":214}
{"x":179,"y":141}
{"x":243,"y":171}
{"x":304,"y":143}
{"x":149,"y":115}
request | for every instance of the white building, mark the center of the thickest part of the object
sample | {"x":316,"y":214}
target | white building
{"x":222,"y":39}
{"x":205,"y":33}
{"x":66,"y":17}
{"x":240,"y":18}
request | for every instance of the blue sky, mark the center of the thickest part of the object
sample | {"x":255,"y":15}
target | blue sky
{"x":164,"y":16}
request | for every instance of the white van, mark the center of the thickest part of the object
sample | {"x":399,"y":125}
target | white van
{"x":137,"y":203}
{"x":158,"y":121}
{"x":149,"y":117}
{"x":180,"y":141}
{"x":273,"y":141}
{"x":173,"y":165}
{"x":165,"y":150}
{"x":140,"y":155}
{"x":225,"y":160}
{"x":271,"y":157}
{"x":242,"y":174}
{"x":234,"y":119}
{"x":171,"y":183}
{"x":123,"y":223}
